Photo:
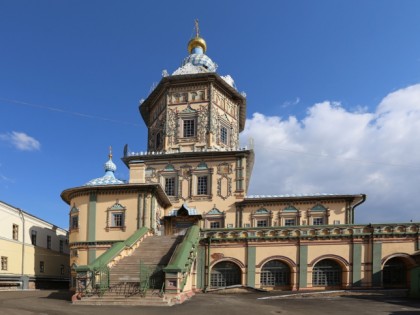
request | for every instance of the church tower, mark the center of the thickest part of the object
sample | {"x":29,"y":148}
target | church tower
{"x":194,"y":117}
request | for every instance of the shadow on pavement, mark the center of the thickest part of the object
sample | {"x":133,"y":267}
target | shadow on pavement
{"x":64,"y":295}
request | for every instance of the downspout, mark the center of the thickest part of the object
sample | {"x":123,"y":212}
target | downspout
{"x":23,"y":245}
{"x":354,"y":206}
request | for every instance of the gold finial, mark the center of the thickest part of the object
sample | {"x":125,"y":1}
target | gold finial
{"x":110,"y":152}
{"x":197,"y":41}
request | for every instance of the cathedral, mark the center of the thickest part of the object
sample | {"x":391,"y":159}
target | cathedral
{"x":184,"y":223}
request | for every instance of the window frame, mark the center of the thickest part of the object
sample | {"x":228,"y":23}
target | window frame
{"x":202,"y":185}
{"x":4,"y":263}
{"x":42,"y":266}
{"x":33,"y":237}
{"x":15,"y":232}
{"x":116,"y":209}
{"x":262,"y":214}
{"x":261,"y":222}
{"x":224,"y":135}
{"x":287,"y":221}
{"x":215,"y":224}
{"x":74,"y":221}
{"x":315,"y":220}
{"x":173,"y":187}
{"x":49,"y":241}
{"x":189,"y":127}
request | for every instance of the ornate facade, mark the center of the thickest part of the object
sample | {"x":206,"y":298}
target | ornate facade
{"x":194,"y":173}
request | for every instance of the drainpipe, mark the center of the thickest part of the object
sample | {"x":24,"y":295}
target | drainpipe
{"x":356,"y":205}
{"x":23,"y":246}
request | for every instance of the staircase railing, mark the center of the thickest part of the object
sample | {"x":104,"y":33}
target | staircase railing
{"x":184,"y":256}
{"x":94,"y":278}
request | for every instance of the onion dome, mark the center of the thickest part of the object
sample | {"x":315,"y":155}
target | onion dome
{"x":109,"y":177}
{"x":197,"y":61}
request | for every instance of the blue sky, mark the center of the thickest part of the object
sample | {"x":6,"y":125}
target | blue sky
{"x":334,"y":83}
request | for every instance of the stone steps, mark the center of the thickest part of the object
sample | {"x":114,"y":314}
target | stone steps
{"x":153,"y":254}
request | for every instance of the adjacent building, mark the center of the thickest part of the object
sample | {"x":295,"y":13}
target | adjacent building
{"x":34,"y":253}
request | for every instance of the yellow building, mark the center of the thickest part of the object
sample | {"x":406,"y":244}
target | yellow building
{"x":192,"y":182}
{"x":34,"y":253}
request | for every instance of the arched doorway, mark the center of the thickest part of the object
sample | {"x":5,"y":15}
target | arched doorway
{"x":394,"y":273}
{"x":224,"y":274}
{"x":326,"y":273}
{"x":275,"y":273}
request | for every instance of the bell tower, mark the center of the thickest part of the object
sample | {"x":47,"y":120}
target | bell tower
{"x":194,"y":117}
{"x":194,"y":109}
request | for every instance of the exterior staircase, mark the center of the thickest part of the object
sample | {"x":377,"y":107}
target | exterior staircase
{"x":138,"y":279}
{"x":153,"y":254}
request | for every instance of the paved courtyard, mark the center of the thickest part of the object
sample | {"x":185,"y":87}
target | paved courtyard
{"x":57,"y":302}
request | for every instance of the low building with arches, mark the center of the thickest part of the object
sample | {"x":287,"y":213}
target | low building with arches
{"x":191,"y":185}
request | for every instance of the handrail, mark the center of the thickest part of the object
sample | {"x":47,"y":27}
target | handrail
{"x":184,"y":255}
{"x":100,"y":266}
{"x":113,"y":252}
{"x":181,"y":259}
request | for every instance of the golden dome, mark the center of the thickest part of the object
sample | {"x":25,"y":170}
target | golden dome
{"x":197,"y":42}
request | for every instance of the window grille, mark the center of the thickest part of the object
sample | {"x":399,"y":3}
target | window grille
{"x":75,"y":222}
{"x":275,"y":273}
{"x":326,"y":273}
{"x":117,"y":219}
{"x":170,"y":186}
{"x":394,"y":273}
{"x":189,"y":128}
{"x":215,"y":225}
{"x":262,"y":223}
{"x":289,"y":222}
{"x":224,"y":135}
{"x":318,"y":221}
{"x":202,"y":185}
{"x":225,"y":274}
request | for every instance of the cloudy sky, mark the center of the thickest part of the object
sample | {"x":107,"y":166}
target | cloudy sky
{"x":333,"y":93}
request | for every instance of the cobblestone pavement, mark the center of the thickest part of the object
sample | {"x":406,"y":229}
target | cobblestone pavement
{"x":57,"y":302}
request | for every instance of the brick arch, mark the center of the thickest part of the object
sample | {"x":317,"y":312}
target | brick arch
{"x":234,"y":260}
{"x":284,"y":259}
{"x":341,"y":261}
{"x":408,"y":260}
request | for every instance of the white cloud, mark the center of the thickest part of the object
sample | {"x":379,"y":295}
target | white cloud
{"x":21,"y":141}
{"x":334,"y":150}
{"x":291,"y":103}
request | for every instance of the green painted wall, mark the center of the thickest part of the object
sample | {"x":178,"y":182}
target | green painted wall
{"x":251,"y":261}
{"x":201,"y":267}
{"x":140,"y":211}
{"x":303,"y":266}
{"x":152,"y":213}
{"x":376,"y":264}
{"x":91,"y":232}
{"x":357,"y":265}
{"x":415,"y":283}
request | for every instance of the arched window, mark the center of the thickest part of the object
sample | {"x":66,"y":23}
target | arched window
{"x":275,"y":273}
{"x":394,"y":273}
{"x":327,"y":272}
{"x":225,"y":274}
